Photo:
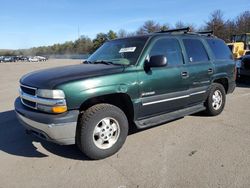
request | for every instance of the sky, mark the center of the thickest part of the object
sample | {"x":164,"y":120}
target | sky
{"x":32,"y":23}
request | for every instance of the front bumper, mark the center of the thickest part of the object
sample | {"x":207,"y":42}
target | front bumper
{"x":57,"y":128}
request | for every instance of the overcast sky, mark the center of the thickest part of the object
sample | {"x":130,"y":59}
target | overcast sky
{"x":29,"y":23}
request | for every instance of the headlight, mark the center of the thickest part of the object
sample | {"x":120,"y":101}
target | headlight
{"x":59,"y":97}
{"x":50,"y":94}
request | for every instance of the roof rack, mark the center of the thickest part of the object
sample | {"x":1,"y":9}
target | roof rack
{"x":184,"y":30}
{"x":208,"y":33}
{"x":187,"y":30}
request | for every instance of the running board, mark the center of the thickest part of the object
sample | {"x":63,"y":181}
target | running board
{"x":156,"y":120}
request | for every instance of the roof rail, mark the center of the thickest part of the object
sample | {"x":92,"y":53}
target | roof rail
{"x":206,"y":32}
{"x":187,"y":30}
{"x":184,"y":30}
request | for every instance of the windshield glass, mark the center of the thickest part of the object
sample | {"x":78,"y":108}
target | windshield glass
{"x":239,"y":38}
{"x":121,"y":51}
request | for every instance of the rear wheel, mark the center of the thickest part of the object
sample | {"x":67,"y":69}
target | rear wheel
{"x":216,"y":100}
{"x":102,"y":130}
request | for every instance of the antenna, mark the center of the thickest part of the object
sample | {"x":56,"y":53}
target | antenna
{"x":78,"y":30}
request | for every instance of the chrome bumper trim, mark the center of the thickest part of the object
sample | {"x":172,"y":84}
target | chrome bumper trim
{"x":63,"y":133}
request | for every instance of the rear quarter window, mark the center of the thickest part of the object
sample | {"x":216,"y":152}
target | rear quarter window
{"x":220,"y":50}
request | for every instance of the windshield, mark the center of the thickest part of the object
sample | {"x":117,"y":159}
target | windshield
{"x":121,"y":51}
{"x":242,"y":38}
{"x":239,"y":38}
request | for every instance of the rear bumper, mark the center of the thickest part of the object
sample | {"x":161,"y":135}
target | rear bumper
{"x":60,"y":129}
{"x":231,"y":87}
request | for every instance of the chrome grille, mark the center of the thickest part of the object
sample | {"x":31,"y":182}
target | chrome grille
{"x":29,"y":103}
{"x":30,"y":99}
{"x":28,"y":91}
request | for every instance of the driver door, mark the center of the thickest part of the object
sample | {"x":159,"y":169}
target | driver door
{"x":164,"y":89}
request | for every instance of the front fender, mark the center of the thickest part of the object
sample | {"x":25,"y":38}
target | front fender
{"x":76,"y":100}
{"x":79,"y":91}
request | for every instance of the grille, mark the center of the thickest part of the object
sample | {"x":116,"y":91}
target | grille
{"x":28,"y":90}
{"x":29,"y":103}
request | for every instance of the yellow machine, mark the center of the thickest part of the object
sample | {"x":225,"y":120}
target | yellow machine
{"x":240,"y":45}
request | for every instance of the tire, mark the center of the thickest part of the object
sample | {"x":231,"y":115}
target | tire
{"x":215,"y":102}
{"x":101,"y":131}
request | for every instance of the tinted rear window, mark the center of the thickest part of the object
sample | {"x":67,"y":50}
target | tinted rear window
{"x":220,"y":50}
{"x":195,"y":50}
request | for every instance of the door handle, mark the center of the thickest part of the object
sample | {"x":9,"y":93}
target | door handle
{"x":184,"y":74}
{"x":210,"y":71}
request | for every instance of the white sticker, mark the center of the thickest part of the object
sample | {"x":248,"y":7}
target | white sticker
{"x":128,"y":49}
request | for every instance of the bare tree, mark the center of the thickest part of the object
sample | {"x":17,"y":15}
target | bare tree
{"x":165,"y":27}
{"x":230,"y":29}
{"x":149,"y":26}
{"x":217,"y":24}
{"x":122,"y":33}
{"x":180,"y":24}
{"x":243,"y":22}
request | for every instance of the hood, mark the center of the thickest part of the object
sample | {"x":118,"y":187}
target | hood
{"x":50,"y":78}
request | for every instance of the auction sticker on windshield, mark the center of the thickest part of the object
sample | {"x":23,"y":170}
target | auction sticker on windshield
{"x":128,"y":49}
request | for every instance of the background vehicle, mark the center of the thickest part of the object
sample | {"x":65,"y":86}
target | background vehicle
{"x":142,"y":81}
{"x":1,"y":59}
{"x":21,"y":58}
{"x":240,"y":45}
{"x":41,"y":58}
{"x":243,"y":67}
{"x":33,"y":59}
{"x":9,"y":59}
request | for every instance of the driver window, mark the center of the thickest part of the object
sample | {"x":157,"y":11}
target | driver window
{"x":169,"y":48}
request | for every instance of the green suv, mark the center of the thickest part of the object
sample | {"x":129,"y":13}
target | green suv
{"x":139,"y":81}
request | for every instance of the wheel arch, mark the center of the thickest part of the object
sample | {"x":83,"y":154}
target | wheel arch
{"x":121,"y":100}
{"x":223,"y":81}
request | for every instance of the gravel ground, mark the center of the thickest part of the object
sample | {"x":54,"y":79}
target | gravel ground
{"x":194,"y":151}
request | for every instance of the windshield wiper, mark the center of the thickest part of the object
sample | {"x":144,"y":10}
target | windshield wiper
{"x":101,"y":62}
{"x":104,"y":62}
{"x":86,"y":62}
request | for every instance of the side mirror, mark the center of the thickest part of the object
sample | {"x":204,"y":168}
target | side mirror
{"x":157,"y":61}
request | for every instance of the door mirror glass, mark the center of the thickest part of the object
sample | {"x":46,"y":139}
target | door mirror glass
{"x":157,"y":61}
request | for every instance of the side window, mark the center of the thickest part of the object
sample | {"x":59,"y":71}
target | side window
{"x":196,"y":51}
{"x":220,"y":49}
{"x":169,"y":48}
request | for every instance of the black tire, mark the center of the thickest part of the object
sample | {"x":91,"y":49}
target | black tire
{"x":89,"y":119}
{"x":211,"y":110}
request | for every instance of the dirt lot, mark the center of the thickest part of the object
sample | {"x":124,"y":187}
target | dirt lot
{"x":194,"y":151}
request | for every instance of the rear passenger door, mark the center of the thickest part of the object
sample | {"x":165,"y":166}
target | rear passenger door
{"x":199,"y":69}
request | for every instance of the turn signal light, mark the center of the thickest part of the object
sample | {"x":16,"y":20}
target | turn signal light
{"x":59,"y":109}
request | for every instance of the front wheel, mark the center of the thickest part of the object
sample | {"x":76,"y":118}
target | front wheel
{"x":102,"y":130}
{"x":215,"y":102}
